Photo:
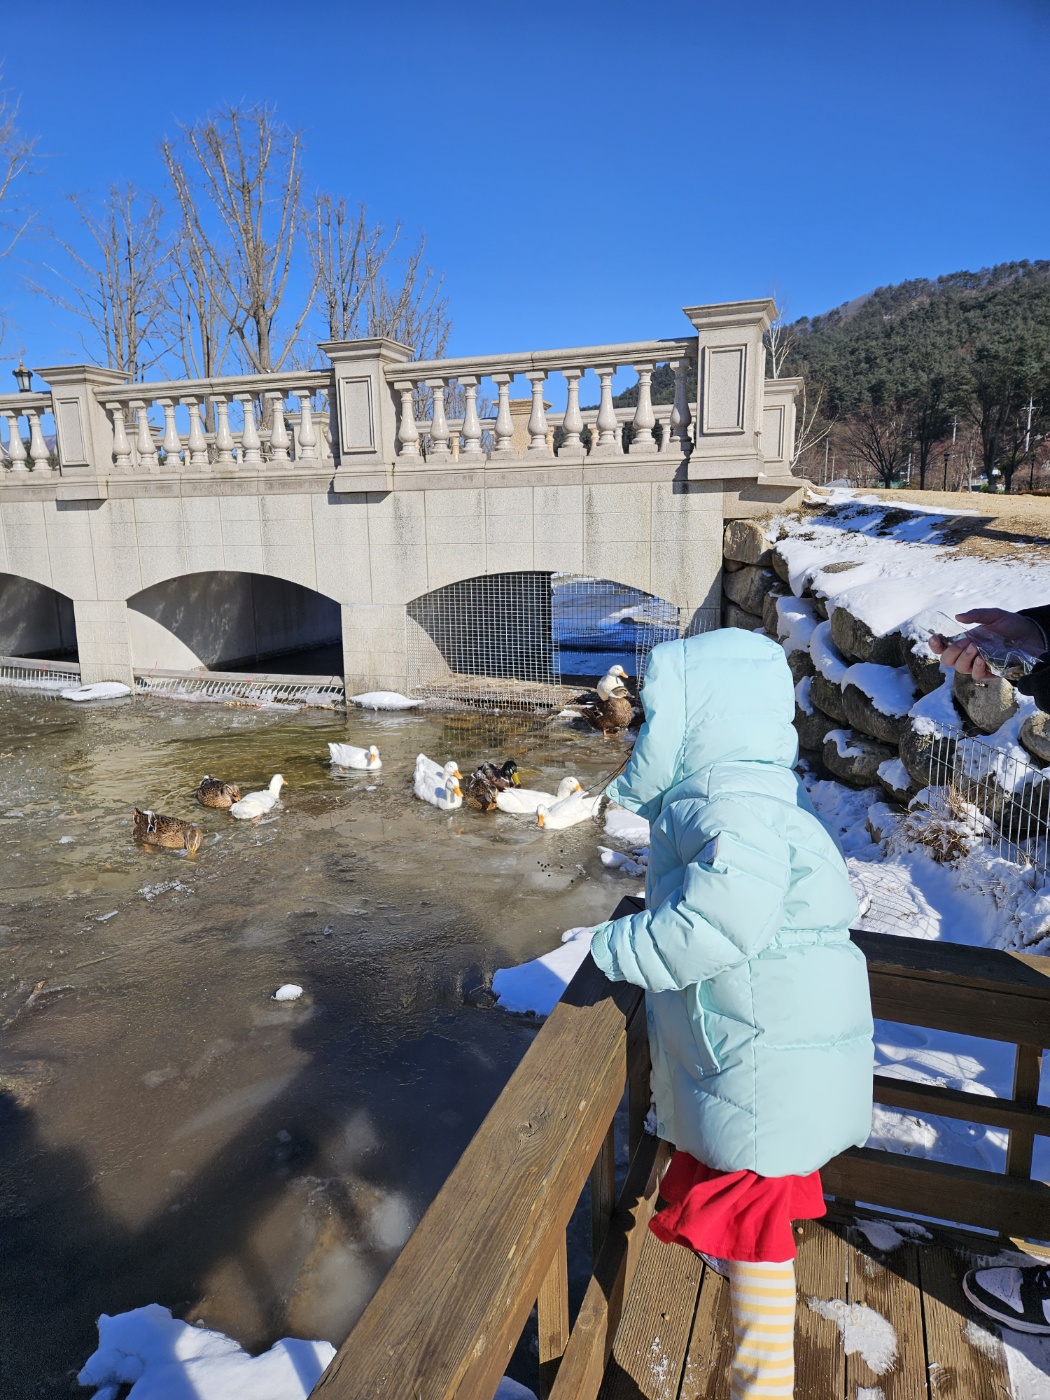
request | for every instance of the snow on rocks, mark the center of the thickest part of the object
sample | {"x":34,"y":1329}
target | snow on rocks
{"x":877,"y":698}
{"x":988,"y":704}
{"x":162,"y":1358}
{"x":854,"y":757}
{"x":863,"y":1330}
{"x":825,"y":655}
{"x":637,"y":863}
{"x":100,"y":690}
{"x":895,"y":779}
{"x":537,"y":986}
{"x":383,"y":700}
{"x":796,"y":622}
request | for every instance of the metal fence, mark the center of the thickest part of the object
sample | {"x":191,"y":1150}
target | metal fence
{"x":23,"y":673}
{"x":528,"y":640}
{"x":997,"y":796}
{"x":232,"y":687}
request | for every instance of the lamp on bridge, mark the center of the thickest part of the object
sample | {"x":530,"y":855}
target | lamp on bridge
{"x":23,"y":378}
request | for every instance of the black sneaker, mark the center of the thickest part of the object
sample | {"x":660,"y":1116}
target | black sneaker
{"x":1016,"y":1297}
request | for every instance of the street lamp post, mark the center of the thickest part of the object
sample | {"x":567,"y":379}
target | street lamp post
{"x":23,"y":378}
{"x":946,"y":456}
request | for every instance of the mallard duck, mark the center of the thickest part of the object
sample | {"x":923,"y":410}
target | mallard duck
{"x":570,"y":811}
{"x":613,"y":709}
{"x":440,"y":791}
{"x":213,"y":792}
{"x":347,"y":756}
{"x":257,"y":804}
{"x":153,"y":829}
{"x":487,"y":782}
{"x":440,"y":771}
{"x":526,"y":802}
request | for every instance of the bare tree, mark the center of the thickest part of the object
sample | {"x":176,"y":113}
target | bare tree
{"x":118,"y":288}
{"x":347,"y":256}
{"x":410,"y":309}
{"x":237,"y":178}
{"x":880,"y":434}
{"x":200,"y":332}
{"x":780,"y":340}
{"x":810,"y":428}
{"x":16,"y":156}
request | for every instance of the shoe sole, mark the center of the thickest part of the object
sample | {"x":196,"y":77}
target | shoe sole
{"x":1013,"y":1323}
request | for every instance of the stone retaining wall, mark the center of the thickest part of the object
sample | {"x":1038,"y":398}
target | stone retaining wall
{"x":874,"y":708}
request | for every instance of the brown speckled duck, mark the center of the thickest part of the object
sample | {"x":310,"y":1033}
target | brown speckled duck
{"x":153,"y":829}
{"x":611,"y":710}
{"x":486,"y":783}
{"x":213,"y":792}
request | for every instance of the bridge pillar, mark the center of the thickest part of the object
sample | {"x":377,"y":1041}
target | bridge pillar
{"x":103,"y":640}
{"x":375,"y":649}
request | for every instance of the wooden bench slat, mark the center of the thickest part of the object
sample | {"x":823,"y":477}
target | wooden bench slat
{"x":957,"y":1367}
{"x":891,"y":1289}
{"x":965,"y":1195}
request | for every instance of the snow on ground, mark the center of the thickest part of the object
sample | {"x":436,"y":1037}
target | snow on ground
{"x":162,"y":1358}
{"x":537,"y":986}
{"x":863,"y":1330}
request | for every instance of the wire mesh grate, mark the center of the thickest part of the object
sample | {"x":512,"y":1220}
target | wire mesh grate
{"x":226,"y":687}
{"x":996,"y":796}
{"x":23,"y":673}
{"x":527,"y":640}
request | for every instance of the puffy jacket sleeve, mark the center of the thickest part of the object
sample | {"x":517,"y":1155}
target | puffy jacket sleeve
{"x":736,"y":874}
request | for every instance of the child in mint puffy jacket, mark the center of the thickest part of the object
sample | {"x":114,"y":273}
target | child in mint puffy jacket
{"x":758,"y":1008}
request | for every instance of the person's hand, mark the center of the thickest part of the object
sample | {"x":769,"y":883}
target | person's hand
{"x":965,"y":656}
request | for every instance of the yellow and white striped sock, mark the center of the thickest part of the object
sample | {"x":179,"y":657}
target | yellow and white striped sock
{"x":762,"y":1297}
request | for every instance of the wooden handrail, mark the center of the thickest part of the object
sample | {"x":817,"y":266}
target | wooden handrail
{"x":444,"y":1322}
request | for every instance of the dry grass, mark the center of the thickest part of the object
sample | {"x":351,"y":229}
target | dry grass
{"x":943,"y":823}
{"x":1010,"y":527}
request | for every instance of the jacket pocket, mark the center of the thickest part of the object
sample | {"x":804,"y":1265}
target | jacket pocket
{"x":706,"y":1059}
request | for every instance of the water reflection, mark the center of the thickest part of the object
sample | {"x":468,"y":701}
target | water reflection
{"x":170,"y":1134}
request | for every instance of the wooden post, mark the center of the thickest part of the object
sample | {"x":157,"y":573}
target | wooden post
{"x":603,"y":1191}
{"x":552,"y":1317}
{"x":1028,"y":1064}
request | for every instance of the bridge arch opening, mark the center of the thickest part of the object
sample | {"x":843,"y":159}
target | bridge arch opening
{"x":36,"y":621}
{"x":516,"y":639}
{"x":232,"y":621}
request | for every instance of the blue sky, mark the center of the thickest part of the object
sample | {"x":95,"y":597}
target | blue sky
{"x":582,"y":170}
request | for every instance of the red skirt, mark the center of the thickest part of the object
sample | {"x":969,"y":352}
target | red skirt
{"x":734,"y":1215}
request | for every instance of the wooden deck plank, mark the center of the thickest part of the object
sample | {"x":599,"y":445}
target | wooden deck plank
{"x":706,"y":1372}
{"x":890,"y":1289}
{"x":958,"y":1368}
{"x":649,"y":1351}
{"x":820,"y":1270}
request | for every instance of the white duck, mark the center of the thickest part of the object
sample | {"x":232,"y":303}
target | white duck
{"x":441,"y":771}
{"x":347,"y":756}
{"x":441,"y":791}
{"x":526,"y":802}
{"x":257,"y":804}
{"x":570,"y":811}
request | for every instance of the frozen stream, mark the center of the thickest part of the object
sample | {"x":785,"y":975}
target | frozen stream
{"x":170,"y":1133}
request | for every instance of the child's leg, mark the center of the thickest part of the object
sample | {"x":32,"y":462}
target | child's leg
{"x":763,"y":1302}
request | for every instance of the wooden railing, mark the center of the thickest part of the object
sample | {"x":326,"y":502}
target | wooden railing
{"x":447,"y":1317}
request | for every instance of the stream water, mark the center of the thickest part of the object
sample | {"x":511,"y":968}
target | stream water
{"x":168,"y":1132}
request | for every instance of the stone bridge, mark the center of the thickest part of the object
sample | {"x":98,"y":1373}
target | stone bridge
{"x":187,"y":524}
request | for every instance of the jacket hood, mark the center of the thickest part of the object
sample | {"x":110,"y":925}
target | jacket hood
{"x":720,"y":697}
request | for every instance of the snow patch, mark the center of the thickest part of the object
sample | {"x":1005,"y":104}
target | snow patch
{"x":803,"y":698}
{"x":1028,"y":1365}
{"x":625,"y":826}
{"x":796,"y":620}
{"x":383,"y":700}
{"x":881,"y":1235}
{"x":841,"y":739}
{"x":825,"y":655}
{"x":889,"y":688}
{"x":101,"y":690}
{"x":936,"y":713}
{"x":863,"y":1330}
{"x":537,"y":986}
{"x":288,"y":992}
{"x":894,"y":773}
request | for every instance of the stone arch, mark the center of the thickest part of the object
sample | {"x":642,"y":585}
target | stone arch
{"x":538,"y":627}
{"x":230,"y":619}
{"x":35,"y":620}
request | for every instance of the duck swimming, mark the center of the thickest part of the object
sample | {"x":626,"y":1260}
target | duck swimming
{"x":153,"y":829}
{"x":441,"y":791}
{"x":526,"y":802}
{"x":344,"y":756}
{"x":570,"y":811}
{"x":257,"y":804}
{"x":487,"y":782}
{"x":213,"y":792}
{"x":440,"y":771}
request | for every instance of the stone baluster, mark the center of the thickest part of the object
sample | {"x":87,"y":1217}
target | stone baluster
{"x":306,"y":446}
{"x":407,"y":432}
{"x":609,"y":437}
{"x":643,"y":443}
{"x":439,"y":446}
{"x":279,"y":439}
{"x":223,"y":437}
{"x":145,"y":447}
{"x":251,"y":455}
{"x":39,"y":454}
{"x":121,"y":446}
{"x":471,"y":423}
{"x":197,"y":449}
{"x":16,"y":448}
{"x":572,"y":423}
{"x":678,"y":429}
{"x":171,"y":442}
{"x":503,"y":438}
{"x":537,"y":424}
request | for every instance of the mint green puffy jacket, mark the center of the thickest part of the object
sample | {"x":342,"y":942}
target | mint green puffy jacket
{"x":758,"y":1007}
